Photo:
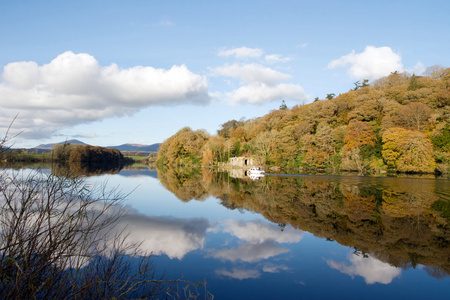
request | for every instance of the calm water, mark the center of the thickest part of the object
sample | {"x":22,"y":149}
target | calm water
{"x":294,"y":237}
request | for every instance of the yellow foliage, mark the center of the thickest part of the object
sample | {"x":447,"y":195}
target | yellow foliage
{"x":408,"y":151}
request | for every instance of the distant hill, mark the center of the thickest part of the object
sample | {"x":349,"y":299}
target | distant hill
{"x":122,"y":148}
{"x":137,"y":147}
{"x":50,"y":146}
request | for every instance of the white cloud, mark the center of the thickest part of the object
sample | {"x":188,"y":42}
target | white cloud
{"x":418,"y":69}
{"x":74,"y":89}
{"x":90,"y":135}
{"x":372,"y":63}
{"x":242,"y":52}
{"x":257,"y":83}
{"x":257,"y":93}
{"x":251,"y":73}
{"x":371,"y":269}
{"x":276,"y":58}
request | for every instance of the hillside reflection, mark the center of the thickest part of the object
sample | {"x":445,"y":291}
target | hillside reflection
{"x":395,"y":222}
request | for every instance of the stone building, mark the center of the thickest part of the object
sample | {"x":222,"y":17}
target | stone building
{"x":241,"y":162}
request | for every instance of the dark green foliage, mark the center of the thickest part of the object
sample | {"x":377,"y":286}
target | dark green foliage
{"x":442,"y":141}
{"x":443,"y":207}
{"x":368,"y":151}
{"x":413,"y":83}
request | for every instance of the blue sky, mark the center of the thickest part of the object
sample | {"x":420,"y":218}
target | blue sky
{"x":115,"y":72}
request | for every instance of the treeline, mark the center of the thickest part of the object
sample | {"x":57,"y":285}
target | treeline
{"x":76,"y":153}
{"x":400,"y":122}
{"x":23,"y":155}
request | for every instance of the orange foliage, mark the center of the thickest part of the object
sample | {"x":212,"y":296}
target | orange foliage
{"x":359,"y":134}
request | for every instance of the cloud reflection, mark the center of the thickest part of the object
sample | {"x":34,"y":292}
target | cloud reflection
{"x":271,"y":268}
{"x":169,"y":236}
{"x":371,"y":269}
{"x":248,"y":252}
{"x":261,"y":241}
{"x":240,"y":274}
{"x":259,"y":232}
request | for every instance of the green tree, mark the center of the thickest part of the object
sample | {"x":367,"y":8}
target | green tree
{"x":413,"y":83}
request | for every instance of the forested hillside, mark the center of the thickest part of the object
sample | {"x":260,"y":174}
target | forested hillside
{"x":400,"y":122}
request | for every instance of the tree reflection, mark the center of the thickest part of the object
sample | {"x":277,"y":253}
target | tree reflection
{"x":399,"y":221}
{"x":84,"y":168}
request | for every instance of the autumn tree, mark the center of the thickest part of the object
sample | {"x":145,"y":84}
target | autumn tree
{"x":415,"y":115}
{"x":408,"y":151}
{"x":61,"y":152}
{"x":264,"y":143}
{"x":228,"y":127}
{"x":185,"y":147}
{"x":257,"y":129}
{"x":359,"y":134}
{"x":215,"y":146}
{"x":238,"y":134}
{"x":284,"y":149}
{"x":435,"y":72}
{"x":368,"y":105}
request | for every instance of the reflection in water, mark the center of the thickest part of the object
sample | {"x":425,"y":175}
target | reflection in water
{"x":396,"y":222}
{"x":239,"y":274}
{"x":84,"y":168}
{"x":169,"y":236}
{"x":257,"y":232}
{"x":251,"y":252}
{"x":260,"y":241}
{"x":371,"y":269}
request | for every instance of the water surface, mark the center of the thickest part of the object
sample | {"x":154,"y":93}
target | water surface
{"x":293,"y":237}
{"x":286,"y":237}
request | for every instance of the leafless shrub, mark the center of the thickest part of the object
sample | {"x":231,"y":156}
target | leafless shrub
{"x":57,"y":241}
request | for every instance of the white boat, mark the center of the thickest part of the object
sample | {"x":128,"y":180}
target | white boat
{"x":255,"y":176}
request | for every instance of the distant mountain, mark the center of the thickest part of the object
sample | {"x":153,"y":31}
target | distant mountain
{"x":50,"y":146}
{"x":137,"y":147}
{"x":122,"y":148}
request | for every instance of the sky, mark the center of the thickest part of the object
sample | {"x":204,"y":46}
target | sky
{"x":115,"y":72}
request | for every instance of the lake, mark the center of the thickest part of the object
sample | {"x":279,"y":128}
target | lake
{"x":293,"y":237}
